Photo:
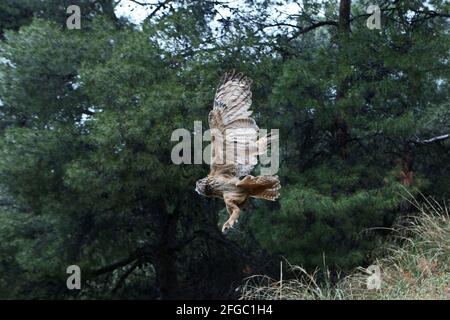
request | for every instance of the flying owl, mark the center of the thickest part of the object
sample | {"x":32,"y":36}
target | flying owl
{"x":235,"y":146}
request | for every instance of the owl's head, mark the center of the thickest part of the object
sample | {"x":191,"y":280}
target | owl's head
{"x":202,"y":187}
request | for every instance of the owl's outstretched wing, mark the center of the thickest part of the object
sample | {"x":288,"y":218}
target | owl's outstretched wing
{"x":234,"y":134}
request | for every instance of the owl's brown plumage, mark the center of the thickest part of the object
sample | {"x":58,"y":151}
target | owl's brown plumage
{"x":234,"y":149}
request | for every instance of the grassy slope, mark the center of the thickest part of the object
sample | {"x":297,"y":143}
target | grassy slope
{"x":414,"y":266}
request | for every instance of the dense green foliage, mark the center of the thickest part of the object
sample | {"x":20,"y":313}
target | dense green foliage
{"x":86,"y":118}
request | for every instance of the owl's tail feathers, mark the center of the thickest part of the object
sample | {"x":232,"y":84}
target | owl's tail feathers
{"x":262,"y":187}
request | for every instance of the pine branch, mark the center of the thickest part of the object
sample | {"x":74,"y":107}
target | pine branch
{"x":118,"y":264}
{"x":434,"y":139}
{"x":159,"y":6}
{"x":126,"y":275}
{"x":312,"y":27}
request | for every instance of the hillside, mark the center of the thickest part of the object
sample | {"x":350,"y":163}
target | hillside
{"x":414,"y":264}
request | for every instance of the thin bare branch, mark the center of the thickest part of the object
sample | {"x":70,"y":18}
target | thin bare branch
{"x":312,"y":27}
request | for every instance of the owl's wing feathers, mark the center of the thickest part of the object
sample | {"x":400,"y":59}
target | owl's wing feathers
{"x":264,"y":187}
{"x":234,"y":134}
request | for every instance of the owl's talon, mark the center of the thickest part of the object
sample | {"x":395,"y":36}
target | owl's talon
{"x":229,"y":225}
{"x":226,"y":227}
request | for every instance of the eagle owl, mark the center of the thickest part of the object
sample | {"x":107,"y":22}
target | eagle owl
{"x":235,"y":146}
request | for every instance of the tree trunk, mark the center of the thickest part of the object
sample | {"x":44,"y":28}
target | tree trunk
{"x":167,"y":260}
{"x":342,"y":134}
{"x":344,"y":16}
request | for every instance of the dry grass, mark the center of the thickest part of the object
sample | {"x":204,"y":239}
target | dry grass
{"x":414,"y":265}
